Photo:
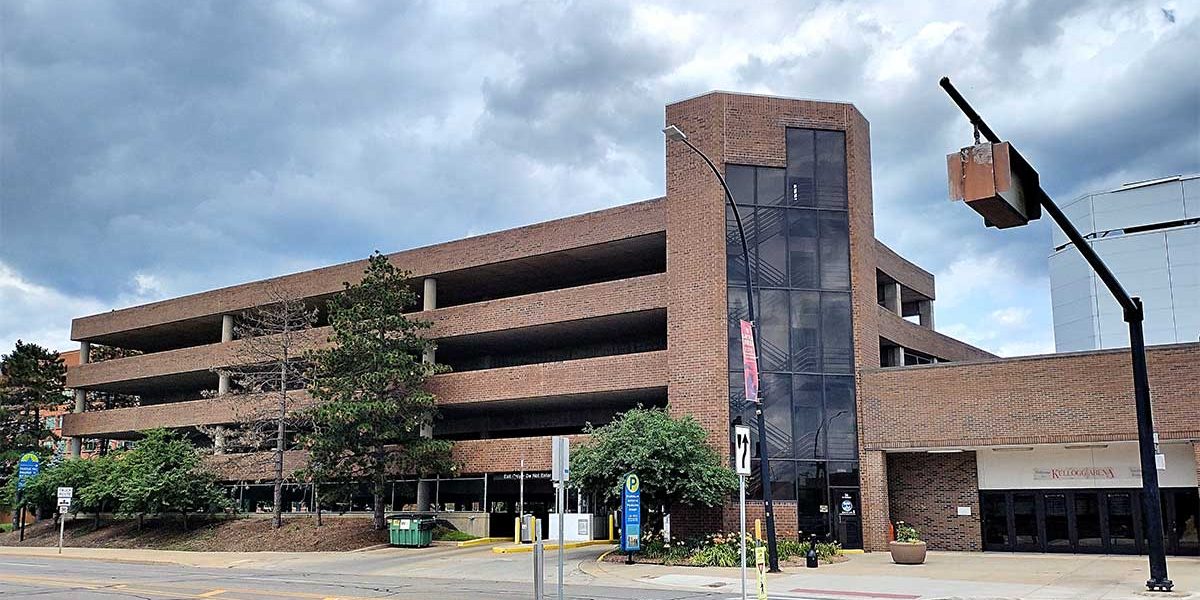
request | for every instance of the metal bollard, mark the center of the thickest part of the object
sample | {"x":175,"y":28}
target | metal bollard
{"x":539,"y":575}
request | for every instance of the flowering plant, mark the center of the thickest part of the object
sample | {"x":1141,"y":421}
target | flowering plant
{"x":907,"y":534}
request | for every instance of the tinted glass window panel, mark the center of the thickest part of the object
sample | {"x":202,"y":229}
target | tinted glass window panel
{"x":803,"y":261}
{"x":831,"y":169}
{"x":770,"y":187}
{"x":777,"y":411}
{"x":783,"y":480}
{"x":835,"y":250}
{"x":772,"y":330}
{"x":807,"y":415}
{"x":772,"y":247}
{"x":840,"y":419}
{"x":995,"y":521}
{"x":801,"y":165}
{"x":843,"y":474}
{"x":806,"y":327}
{"x":739,"y":408}
{"x":740,"y":180}
{"x":737,"y":312}
{"x":754,"y":481}
{"x":811,"y":495}
{"x":735,"y":261}
{"x":836,"y":335}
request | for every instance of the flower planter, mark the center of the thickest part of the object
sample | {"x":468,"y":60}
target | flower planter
{"x":907,"y":553}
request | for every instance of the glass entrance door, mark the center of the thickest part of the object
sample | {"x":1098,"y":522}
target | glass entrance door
{"x":1123,"y":516}
{"x":1089,"y":536}
{"x":1181,"y":521}
{"x":1058,"y":525}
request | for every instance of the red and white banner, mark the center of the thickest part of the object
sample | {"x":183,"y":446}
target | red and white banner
{"x":749,"y":361}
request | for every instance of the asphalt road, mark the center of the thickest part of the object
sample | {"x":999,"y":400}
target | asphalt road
{"x":71,"y":579}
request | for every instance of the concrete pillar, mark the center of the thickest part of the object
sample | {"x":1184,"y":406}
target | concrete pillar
{"x":85,"y":356}
{"x":219,"y":439}
{"x":429,"y":302}
{"x":226,"y":328}
{"x":226,"y":336}
{"x":891,"y":297}
{"x":925,"y":307}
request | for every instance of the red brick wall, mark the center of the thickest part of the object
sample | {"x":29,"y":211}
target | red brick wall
{"x":1052,"y":399}
{"x":785,"y":517}
{"x":750,"y":129}
{"x":626,"y":221}
{"x":923,"y":339}
{"x":901,"y":269}
{"x":696,"y":302}
{"x":608,"y":298}
{"x":589,"y":375}
{"x":925,"y":490}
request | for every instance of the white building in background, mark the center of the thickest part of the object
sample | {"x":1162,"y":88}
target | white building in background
{"x":1149,"y":235}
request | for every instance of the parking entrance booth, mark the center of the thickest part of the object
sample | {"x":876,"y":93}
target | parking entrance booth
{"x":411,"y":530}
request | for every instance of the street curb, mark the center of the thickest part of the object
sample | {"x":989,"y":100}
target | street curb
{"x":567,"y":546}
{"x":479,"y":542}
{"x":129,"y":561}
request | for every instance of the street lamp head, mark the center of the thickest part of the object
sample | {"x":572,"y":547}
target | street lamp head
{"x":674,"y":134}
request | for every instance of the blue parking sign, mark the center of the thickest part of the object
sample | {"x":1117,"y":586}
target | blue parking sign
{"x":631,"y":514}
{"x":28,"y":468}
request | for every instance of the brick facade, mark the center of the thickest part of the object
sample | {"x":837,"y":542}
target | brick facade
{"x":926,"y":490}
{"x":622,"y":222}
{"x":902,"y":270}
{"x":1051,"y":399}
{"x":923,"y":339}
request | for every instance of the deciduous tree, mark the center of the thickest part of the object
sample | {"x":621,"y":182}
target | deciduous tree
{"x":270,"y":378}
{"x":670,"y":455}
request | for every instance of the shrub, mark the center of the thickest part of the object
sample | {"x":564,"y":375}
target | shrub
{"x":446,"y":534}
{"x":907,"y":533}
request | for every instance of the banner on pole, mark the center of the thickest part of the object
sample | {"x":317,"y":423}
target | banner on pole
{"x":749,"y":361}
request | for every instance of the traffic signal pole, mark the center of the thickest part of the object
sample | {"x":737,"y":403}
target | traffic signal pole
{"x":1133,"y":315}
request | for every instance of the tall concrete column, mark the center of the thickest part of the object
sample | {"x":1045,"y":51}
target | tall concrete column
{"x":85,"y":356}
{"x":226,"y":336}
{"x":223,"y":383}
{"x":429,"y":302}
{"x":891,"y":297}
{"x":925,"y":307}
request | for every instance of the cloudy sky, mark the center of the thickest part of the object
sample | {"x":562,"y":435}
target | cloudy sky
{"x":150,"y":149}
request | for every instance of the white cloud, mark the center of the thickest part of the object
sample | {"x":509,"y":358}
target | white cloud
{"x":36,"y":313}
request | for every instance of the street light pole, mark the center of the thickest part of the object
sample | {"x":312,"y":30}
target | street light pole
{"x":673,"y":133}
{"x":1134,"y":315}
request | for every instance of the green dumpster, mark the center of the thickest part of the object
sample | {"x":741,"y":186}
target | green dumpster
{"x":410,"y":530}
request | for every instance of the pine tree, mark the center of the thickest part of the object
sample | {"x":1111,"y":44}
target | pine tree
{"x":371,"y":405}
{"x":31,"y":377}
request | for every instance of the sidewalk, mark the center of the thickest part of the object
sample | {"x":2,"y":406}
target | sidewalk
{"x":945,"y":575}
{"x":862,"y":577}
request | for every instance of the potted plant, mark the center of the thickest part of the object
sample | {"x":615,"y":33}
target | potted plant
{"x":907,"y":549}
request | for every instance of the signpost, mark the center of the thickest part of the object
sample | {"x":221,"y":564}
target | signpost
{"x":28,"y":468}
{"x":760,"y":567}
{"x":561,"y":467}
{"x":741,"y":463}
{"x":631,"y":515}
{"x":64,"y":503}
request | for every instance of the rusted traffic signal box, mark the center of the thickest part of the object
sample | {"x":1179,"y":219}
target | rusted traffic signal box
{"x":996,"y":182}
